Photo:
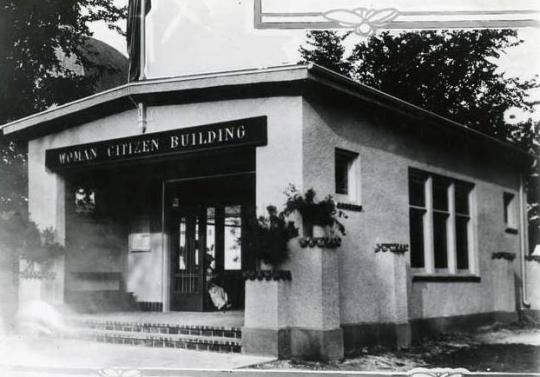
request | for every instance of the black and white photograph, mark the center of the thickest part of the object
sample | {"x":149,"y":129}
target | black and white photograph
{"x":269,"y":188}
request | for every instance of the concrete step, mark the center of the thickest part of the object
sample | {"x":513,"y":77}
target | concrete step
{"x":191,"y":337}
{"x":198,"y":343}
{"x":161,"y":328}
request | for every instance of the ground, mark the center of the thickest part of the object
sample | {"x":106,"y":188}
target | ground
{"x":513,"y":348}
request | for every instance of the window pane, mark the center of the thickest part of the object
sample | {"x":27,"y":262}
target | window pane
{"x":417,"y":237}
{"x":342,"y":174}
{"x":462,"y":198}
{"x":462,"y":242}
{"x":210,"y":257}
{"x":85,"y":200}
{"x":417,"y":195}
{"x":510,"y":213}
{"x":233,"y":232}
{"x":182,"y":246}
{"x":439,"y":240}
{"x":440,"y":194}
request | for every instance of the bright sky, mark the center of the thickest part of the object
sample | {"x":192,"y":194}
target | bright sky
{"x":187,"y":36}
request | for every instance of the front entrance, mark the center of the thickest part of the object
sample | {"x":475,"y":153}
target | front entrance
{"x":206,"y":219}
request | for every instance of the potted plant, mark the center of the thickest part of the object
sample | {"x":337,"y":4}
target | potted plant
{"x":268,"y":236}
{"x":320,"y":218}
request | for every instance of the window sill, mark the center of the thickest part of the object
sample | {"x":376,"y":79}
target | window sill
{"x":446,"y":278}
{"x":511,"y":231}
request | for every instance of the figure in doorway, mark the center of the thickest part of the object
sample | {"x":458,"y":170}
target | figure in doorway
{"x":219,"y":297}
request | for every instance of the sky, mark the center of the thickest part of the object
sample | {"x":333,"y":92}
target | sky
{"x":188,"y":36}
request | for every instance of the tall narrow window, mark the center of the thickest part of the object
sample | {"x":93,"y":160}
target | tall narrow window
{"x":440,"y":222}
{"x":417,"y":203}
{"x":510,"y":211}
{"x":233,"y":232}
{"x":463,"y":223}
{"x":345,"y":164}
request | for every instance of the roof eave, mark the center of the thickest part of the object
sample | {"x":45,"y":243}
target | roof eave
{"x":158,"y":86}
{"x":366,"y":93}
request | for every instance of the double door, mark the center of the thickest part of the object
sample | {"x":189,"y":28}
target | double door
{"x":207,"y":220}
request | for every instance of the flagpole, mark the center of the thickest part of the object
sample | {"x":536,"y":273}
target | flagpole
{"x":143,"y":40}
{"x":141,"y":110}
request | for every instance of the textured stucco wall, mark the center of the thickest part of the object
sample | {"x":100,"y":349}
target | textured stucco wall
{"x":533,"y":284}
{"x":144,"y":277}
{"x":278,"y":164}
{"x":374,"y":286}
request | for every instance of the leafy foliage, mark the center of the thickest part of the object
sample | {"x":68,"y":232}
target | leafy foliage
{"x":268,"y":236}
{"x":34,"y":37}
{"x":326,"y":49}
{"x":21,"y":237}
{"x":13,"y":165}
{"x":323,"y":213}
{"x":451,"y":73}
{"x":32,"y":32}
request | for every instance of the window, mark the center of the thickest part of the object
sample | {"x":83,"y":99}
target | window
{"x":345,"y":169}
{"x":85,"y":200}
{"x":510,"y":211}
{"x":441,"y":225}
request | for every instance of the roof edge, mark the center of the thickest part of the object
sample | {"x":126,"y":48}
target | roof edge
{"x":311,"y":71}
{"x":381,"y":98}
{"x":132,"y":88}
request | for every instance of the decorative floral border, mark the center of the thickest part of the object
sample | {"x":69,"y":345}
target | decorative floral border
{"x":267,"y":275}
{"x":398,"y":248}
{"x":322,"y":242}
{"x":40,"y":275}
{"x":532,"y":258}
{"x":503,"y":255}
{"x":367,"y":21}
{"x":438,"y":372}
{"x":349,"y":207}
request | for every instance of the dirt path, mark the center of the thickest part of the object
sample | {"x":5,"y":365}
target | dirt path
{"x":515,"y":348}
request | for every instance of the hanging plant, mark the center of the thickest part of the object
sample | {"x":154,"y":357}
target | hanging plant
{"x":323,"y":213}
{"x":268,"y":236}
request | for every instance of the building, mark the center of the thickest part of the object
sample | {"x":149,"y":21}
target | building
{"x":146,"y":197}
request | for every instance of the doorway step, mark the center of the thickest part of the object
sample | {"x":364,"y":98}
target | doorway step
{"x":175,"y":334}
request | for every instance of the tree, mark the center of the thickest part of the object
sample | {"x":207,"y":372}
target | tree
{"x":326,"y":49}
{"x":33,"y":77}
{"x":33,"y":37}
{"x":451,"y":73}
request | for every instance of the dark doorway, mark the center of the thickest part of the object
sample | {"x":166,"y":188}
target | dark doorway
{"x":206,"y":219}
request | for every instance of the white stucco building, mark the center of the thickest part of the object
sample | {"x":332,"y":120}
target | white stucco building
{"x":143,"y":200}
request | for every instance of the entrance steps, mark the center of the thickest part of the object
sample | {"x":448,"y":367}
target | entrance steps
{"x":153,"y":334}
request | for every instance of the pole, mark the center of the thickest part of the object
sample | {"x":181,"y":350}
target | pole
{"x":143,"y":40}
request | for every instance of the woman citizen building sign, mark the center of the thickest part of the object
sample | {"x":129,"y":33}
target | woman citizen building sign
{"x":243,"y":132}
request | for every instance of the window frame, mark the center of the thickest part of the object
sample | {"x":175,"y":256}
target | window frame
{"x":510,"y":212}
{"x":353,"y":174}
{"x":453,"y":215}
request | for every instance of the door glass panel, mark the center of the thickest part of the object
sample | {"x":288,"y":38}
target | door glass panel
{"x":210,"y":256}
{"x":187,"y":267}
{"x":233,"y":232}
{"x":440,"y":240}
{"x":182,"y":245}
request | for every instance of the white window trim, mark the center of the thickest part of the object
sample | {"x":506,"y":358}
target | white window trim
{"x":429,"y":242}
{"x":511,"y":209}
{"x":353,"y":179}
